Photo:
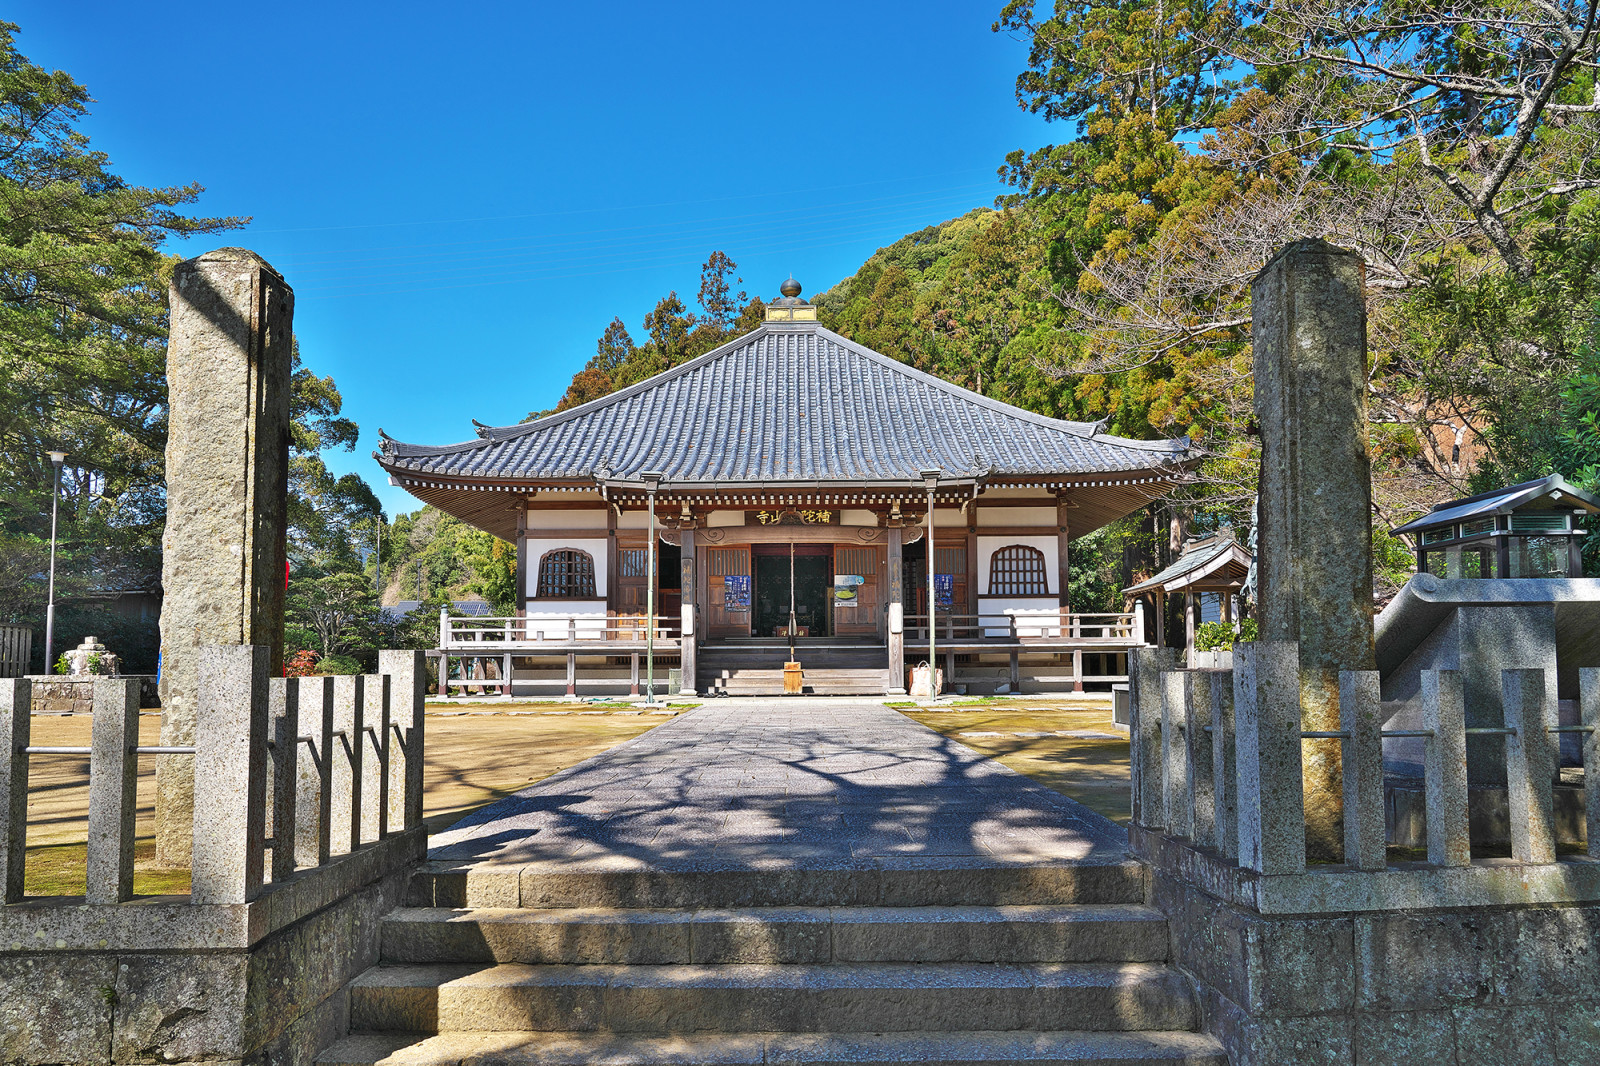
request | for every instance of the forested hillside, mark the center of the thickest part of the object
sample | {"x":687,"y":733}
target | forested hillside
{"x":1113,"y":281}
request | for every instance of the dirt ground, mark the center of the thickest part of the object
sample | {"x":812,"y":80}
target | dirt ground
{"x":476,"y":755}
{"x":1091,"y":769}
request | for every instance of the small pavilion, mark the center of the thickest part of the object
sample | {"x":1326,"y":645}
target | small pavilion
{"x":780,"y":491}
{"x":1208,"y":573}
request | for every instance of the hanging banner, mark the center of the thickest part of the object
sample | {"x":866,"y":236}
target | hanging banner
{"x":844,"y":589}
{"x":944,"y":591}
{"x":736,"y":592}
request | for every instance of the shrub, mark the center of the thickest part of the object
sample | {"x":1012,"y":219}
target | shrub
{"x":302,"y":663}
{"x":1220,"y":636}
{"x":339,"y":664}
{"x":1213,"y":636}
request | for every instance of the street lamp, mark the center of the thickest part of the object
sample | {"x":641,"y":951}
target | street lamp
{"x":57,"y":459}
{"x":652,"y":481}
{"x":930,"y":478}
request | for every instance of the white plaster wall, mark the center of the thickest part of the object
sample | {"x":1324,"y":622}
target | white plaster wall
{"x":1046,"y":543}
{"x":861,"y":517}
{"x":553,"y":616}
{"x":1016,"y":516}
{"x":599,"y":549}
{"x":539,"y":518}
{"x":1045,"y":610}
{"x":717,"y":519}
{"x":634,"y":520}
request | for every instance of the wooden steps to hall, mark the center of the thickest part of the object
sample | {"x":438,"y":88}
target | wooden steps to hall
{"x":756,"y":669}
{"x":1052,"y":965}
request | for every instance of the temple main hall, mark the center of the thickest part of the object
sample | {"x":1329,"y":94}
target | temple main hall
{"x":784,"y":486}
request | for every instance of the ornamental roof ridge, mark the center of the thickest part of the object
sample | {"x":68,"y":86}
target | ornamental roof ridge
{"x":873,"y":418}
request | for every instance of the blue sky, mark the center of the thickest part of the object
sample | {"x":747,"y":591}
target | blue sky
{"x":462,"y":196}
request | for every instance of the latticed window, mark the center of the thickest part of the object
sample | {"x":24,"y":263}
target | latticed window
{"x":633,"y":562}
{"x":1018,"y":570}
{"x":566,"y":574}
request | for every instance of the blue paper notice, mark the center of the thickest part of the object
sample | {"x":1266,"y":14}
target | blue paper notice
{"x":944,"y":591}
{"x":736,"y":592}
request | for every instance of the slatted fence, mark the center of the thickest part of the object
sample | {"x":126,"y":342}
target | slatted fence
{"x":16,"y":647}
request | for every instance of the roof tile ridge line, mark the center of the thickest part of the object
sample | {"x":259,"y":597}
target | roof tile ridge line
{"x":523,"y":429}
{"x":1087,"y":430}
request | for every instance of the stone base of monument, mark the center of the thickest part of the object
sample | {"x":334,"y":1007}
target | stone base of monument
{"x":55,"y":694}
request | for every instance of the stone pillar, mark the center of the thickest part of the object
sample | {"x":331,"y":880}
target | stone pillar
{"x":1314,"y":549}
{"x":228,"y":364}
{"x":897,"y":611}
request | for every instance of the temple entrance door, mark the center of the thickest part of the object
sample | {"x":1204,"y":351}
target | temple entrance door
{"x":729,"y":601}
{"x":861,"y":619}
{"x":813,"y":585}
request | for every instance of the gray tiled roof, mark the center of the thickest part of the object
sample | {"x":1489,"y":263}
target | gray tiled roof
{"x":1546,"y":492}
{"x":1196,"y":557}
{"x":787,"y":403}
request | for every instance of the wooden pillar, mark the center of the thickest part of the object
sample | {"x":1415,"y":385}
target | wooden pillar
{"x":973,"y":591}
{"x":613,"y":565}
{"x":688,"y":638}
{"x":1188,"y":627}
{"x":1063,"y":574}
{"x":897,"y":613}
{"x":521,"y":581}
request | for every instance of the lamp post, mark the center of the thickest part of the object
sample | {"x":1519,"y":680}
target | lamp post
{"x":652,"y":481}
{"x":930,"y":478}
{"x":57,"y":459}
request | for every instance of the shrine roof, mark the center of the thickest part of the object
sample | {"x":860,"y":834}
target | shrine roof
{"x":787,"y":403}
{"x":1217,"y":561}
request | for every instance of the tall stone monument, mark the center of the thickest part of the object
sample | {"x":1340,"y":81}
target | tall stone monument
{"x":1314,"y":543}
{"x":223,"y":561}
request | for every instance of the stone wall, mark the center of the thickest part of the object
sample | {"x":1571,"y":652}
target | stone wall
{"x":54,"y":694}
{"x":1483,"y":985}
{"x":170,"y":982}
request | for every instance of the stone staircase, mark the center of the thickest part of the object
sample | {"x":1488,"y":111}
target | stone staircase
{"x":941,"y":963}
{"x":757,"y":670}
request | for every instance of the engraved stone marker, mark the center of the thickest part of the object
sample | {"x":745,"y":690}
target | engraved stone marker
{"x":228,"y":368}
{"x":1314,"y":560}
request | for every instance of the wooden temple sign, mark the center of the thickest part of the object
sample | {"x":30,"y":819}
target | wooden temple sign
{"x":796,"y":518}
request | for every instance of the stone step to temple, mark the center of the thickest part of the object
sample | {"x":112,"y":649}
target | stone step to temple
{"x":840,"y":997}
{"x":811,"y":935}
{"x":762,"y":1049}
{"x":917,"y":883}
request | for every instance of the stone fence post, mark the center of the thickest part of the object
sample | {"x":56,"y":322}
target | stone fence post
{"x":230,"y":774}
{"x":16,"y":702}
{"x":113,"y":778}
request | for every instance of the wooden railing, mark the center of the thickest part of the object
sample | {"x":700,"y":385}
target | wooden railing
{"x":305,"y":770}
{"x":561,"y":629}
{"x":1022,"y":626}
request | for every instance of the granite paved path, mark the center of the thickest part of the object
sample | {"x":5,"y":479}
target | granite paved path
{"x":785,"y":784}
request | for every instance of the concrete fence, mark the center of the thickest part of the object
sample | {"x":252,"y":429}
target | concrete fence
{"x":1218,"y":760}
{"x":302,"y":769}
{"x":307,"y":823}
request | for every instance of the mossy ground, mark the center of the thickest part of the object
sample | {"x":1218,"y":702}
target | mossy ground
{"x":475,"y":758}
{"x":1093,"y":771}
